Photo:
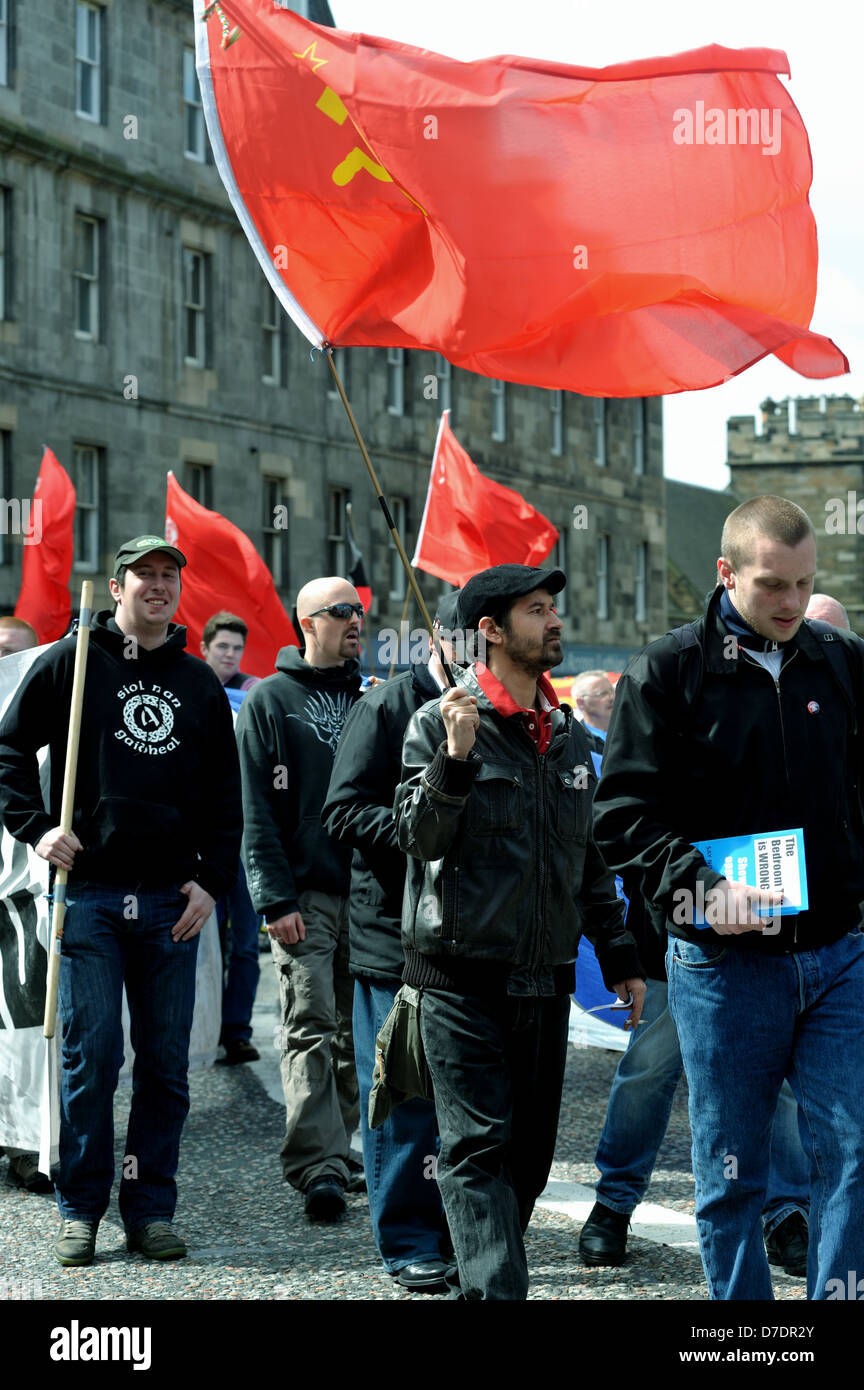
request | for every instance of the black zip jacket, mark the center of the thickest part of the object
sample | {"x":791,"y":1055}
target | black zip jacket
{"x":359,"y":812}
{"x":502,"y":866}
{"x":702,"y":744}
{"x":157,"y":797}
{"x":287,"y":731}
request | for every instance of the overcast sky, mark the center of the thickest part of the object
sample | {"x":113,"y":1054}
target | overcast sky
{"x":823,"y":44}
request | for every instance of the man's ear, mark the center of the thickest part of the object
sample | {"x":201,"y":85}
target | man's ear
{"x":726,"y":573}
{"x":204,"y":650}
{"x":114,"y":590}
{"x":490,"y":631}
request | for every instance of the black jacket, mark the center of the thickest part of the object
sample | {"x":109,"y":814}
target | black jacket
{"x":287,"y":731}
{"x":502,"y":866}
{"x":359,"y":812}
{"x":157,"y":797}
{"x":702,"y":745}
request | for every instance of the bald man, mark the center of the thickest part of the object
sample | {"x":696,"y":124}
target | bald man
{"x":828,"y":610}
{"x":287,"y":731}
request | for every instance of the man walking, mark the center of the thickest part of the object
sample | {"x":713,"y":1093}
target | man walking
{"x":744,"y":723}
{"x":494,"y":812}
{"x":154,"y":842}
{"x":404,"y":1202}
{"x":222,"y":646}
{"x":287,"y":732}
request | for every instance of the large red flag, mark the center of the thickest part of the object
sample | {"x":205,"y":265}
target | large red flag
{"x":49,"y":543}
{"x":631,"y":230}
{"x":471,"y":522}
{"x":225,"y":571}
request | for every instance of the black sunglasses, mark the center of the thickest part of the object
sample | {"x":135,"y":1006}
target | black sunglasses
{"x":342,"y":611}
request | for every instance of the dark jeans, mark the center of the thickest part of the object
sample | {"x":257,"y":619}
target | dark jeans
{"x":239,"y":930}
{"x":113,"y":937}
{"x":497,"y":1067}
{"x":400,"y":1155}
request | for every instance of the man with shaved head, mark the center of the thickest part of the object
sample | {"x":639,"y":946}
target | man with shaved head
{"x":287,"y":731}
{"x":828,"y":610}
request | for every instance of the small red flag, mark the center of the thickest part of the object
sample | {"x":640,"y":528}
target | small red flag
{"x":632,"y":230}
{"x":225,"y":571}
{"x":49,"y":542}
{"x":470,"y":522}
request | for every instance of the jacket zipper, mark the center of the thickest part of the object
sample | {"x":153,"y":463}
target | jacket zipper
{"x":776,"y":680}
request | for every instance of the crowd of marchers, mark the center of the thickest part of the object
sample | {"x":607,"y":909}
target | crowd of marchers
{"x":425,"y":854}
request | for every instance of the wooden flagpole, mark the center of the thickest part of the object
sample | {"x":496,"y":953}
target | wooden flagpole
{"x":58,"y":911}
{"x":391,"y":525}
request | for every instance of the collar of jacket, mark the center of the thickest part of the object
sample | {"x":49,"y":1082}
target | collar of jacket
{"x":291,"y":663}
{"x":106,"y":634}
{"x":561,"y":714}
{"x":715,"y":635}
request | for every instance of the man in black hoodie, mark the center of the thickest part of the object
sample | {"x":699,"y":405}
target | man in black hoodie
{"x":287,"y":732}
{"x":154,"y":841}
{"x":399,"y":1155}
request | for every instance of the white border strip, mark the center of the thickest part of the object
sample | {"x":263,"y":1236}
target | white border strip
{"x":444,"y":415}
{"x":223,"y":164}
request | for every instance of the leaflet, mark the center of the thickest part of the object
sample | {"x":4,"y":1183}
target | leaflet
{"x":771,"y":860}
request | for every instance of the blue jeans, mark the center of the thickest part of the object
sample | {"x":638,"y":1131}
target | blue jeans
{"x":400,"y":1155}
{"x":114,"y":937}
{"x":638,"y":1115}
{"x":745,"y":1022}
{"x":240,"y":960}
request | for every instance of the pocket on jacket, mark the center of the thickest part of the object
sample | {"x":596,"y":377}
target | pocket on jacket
{"x":574,"y":791}
{"x":697,"y":955}
{"x":497,"y":800}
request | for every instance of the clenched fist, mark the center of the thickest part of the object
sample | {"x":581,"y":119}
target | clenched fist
{"x":459,"y":712}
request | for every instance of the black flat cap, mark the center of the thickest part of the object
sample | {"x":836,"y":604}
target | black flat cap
{"x":484,"y":592}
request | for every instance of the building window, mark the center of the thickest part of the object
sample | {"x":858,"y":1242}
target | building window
{"x":87,"y":470}
{"x":444,"y":373}
{"x":5,"y":45}
{"x":642,"y":582}
{"x":638,"y":416}
{"x":340,"y":362}
{"x":602,"y":577}
{"x":5,"y":483}
{"x":199,"y":482}
{"x":87,"y":274}
{"x":559,"y":562}
{"x":556,"y":408}
{"x":599,"y":409}
{"x":5,"y":253}
{"x":398,"y":581}
{"x":499,"y":411}
{"x":337,"y":550}
{"x":274,"y":530}
{"x":88,"y":61}
{"x":195,"y":278}
{"x":275,"y":342}
{"x":395,"y":381}
{"x":194,"y":143}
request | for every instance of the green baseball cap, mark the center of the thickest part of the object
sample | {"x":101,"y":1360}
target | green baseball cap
{"x":141,"y":546}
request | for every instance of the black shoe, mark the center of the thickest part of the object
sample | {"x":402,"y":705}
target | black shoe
{"x":24,"y":1172}
{"x":426,"y":1276}
{"x":604,"y":1236}
{"x":787,"y":1244}
{"x":356,"y":1176}
{"x":238,"y":1051}
{"x":325,"y":1198}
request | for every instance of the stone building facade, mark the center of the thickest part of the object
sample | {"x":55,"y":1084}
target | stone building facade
{"x":811,"y":450}
{"x":138,"y":335}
